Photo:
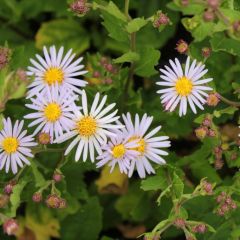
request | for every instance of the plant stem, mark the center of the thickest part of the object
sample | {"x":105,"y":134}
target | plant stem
{"x":126,"y":9}
{"x":229,"y":102}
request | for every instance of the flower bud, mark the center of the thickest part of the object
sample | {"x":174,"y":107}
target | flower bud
{"x":160,"y":19}
{"x":211,"y":133}
{"x":44,"y":138}
{"x":180,"y":223}
{"x":10,"y":227}
{"x":53,"y":201}
{"x":207,"y":187}
{"x":96,"y":74}
{"x":236,"y":26}
{"x":57,"y":177}
{"x":8,"y":188}
{"x":62,"y":203}
{"x":234,"y":156}
{"x":206,"y":52}
{"x":218,"y":164}
{"x":181,"y":46}
{"x":184,"y":2}
{"x":37,"y":197}
{"x":228,"y":200}
{"x":201,"y":132}
{"x":233,"y":205}
{"x":220,"y":212}
{"x":208,"y":16}
{"x":4,"y":200}
{"x":21,"y":74}
{"x":213,"y":3}
{"x":5,"y":54}
{"x":108,"y":81}
{"x":213,"y":99}
{"x":108,"y":67}
{"x":201,"y":228}
{"x":207,"y":122}
{"x":79,"y":7}
{"x":225,"y":208}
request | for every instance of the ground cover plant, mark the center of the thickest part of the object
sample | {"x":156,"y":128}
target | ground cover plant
{"x":119,"y":119}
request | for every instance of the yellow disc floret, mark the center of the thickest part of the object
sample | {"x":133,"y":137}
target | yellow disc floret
{"x":118,"y":151}
{"x":141,"y":145}
{"x":184,"y":86}
{"x":10,"y":145}
{"x":52,"y":112}
{"x":87,"y":126}
{"x":53,"y":75}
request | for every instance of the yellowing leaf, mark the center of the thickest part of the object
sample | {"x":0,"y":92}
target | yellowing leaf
{"x":114,"y":182}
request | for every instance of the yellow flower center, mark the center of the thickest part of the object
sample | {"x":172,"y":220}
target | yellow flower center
{"x":10,"y":145}
{"x":141,"y":145}
{"x":52,"y":112}
{"x":87,"y":126}
{"x":118,"y":151}
{"x":184,"y":86}
{"x":53,"y":75}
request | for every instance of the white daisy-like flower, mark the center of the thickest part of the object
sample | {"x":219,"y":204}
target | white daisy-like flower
{"x":14,"y":146}
{"x":184,"y":86}
{"x":149,"y":146}
{"x":119,"y":151}
{"x":55,"y":68}
{"x":91,"y":128}
{"x":53,"y":111}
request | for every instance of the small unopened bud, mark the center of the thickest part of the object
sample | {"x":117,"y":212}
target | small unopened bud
{"x":207,"y":187}
{"x":236,"y":26}
{"x":57,"y":177}
{"x":79,"y":7}
{"x":207,"y":122}
{"x":201,"y":228}
{"x":10,"y":227}
{"x":201,"y":132}
{"x":62,"y":203}
{"x":211,"y":133}
{"x":233,"y":205}
{"x":213,"y":3}
{"x":208,"y":16}
{"x":161,"y":19}
{"x":213,"y":99}
{"x":180,"y":223}
{"x":219,"y":198}
{"x":206,"y":52}
{"x":4,"y":200}
{"x":108,"y":67}
{"x":225,"y":208}
{"x":220,"y":212}
{"x":181,"y":46}
{"x":218,"y":164}
{"x":108,"y":81}
{"x":37,"y":197}
{"x":8,"y":188}
{"x":96,"y":74}
{"x":228,"y":200}
{"x":53,"y":201}
{"x":5,"y":54}
{"x":184,"y":2}
{"x":21,"y":74}
{"x":44,"y":138}
{"x":103,"y":61}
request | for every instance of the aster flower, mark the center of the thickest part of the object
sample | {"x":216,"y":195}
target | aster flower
{"x":149,"y":147}
{"x":91,"y":128}
{"x":55,"y":68}
{"x":53,"y":111}
{"x":184,"y":87}
{"x":14,"y":146}
{"x":119,"y":151}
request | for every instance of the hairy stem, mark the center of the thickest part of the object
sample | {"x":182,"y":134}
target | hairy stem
{"x":229,"y":102}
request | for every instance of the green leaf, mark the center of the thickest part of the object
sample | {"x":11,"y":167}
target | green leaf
{"x":177,"y":186}
{"x":153,"y":183}
{"x":148,"y":59}
{"x":127,"y":57}
{"x":63,"y":32}
{"x":85,"y":224}
{"x":220,"y":42}
{"x":136,"y":24}
{"x":161,"y":225}
{"x":39,"y":179}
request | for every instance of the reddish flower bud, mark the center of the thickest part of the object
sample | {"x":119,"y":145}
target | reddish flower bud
{"x":206,"y":52}
{"x":233,"y":205}
{"x":181,"y":46}
{"x":213,"y":99}
{"x":10,"y":227}
{"x":201,"y":228}
{"x":219,"y":198}
{"x":96,"y":74}
{"x":207,"y":187}
{"x":207,"y":122}
{"x":5,"y":54}
{"x":225,"y":208}
{"x":180,"y":223}
{"x":57,"y":177}
{"x":161,"y":19}
{"x":201,"y":132}
{"x":103,"y":60}
{"x":236,"y":26}
{"x":108,"y":67}
{"x":79,"y":7}
{"x":8,"y":188}
{"x":62,"y":203}
{"x":228,"y":200}
{"x":21,"y":74}
{"x":218,"y":164}
{"x":108,"y":81}
{"x":220,"y":212}
{"x":53,"y":201}
{"x":184,"y":2}
{"x":213,"y":3}
{"x":4,"y":200}
{"x":211,"y":133}
{"x":208,"y":16}
{"x":37,"y":197}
